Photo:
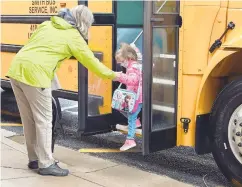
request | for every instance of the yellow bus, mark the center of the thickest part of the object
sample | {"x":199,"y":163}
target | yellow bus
{"x":192,"y":85}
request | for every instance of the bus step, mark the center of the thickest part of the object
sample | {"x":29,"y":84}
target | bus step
{"x":124,"y":129}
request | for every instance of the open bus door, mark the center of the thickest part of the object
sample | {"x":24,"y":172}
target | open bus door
{"x":103,"y":37}
{"x":160,"y":67}
{"x":160,"y":42}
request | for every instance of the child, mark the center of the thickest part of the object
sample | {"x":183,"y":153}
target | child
{"x":127,"y":57}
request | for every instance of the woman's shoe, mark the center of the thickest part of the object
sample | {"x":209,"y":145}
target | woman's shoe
{"x":53,"y":170}
{"x":33,"y":164}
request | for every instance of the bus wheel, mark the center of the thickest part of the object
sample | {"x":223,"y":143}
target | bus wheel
{"x":226,"y":123}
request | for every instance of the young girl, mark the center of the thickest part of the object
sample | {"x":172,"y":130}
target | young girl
{"x":127,"y":56}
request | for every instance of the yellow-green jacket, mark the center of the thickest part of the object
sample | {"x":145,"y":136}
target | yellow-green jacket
{"x":53,"y":42}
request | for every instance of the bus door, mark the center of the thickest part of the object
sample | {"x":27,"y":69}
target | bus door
{"x":160,"y":67}
{"x":103,"y":36}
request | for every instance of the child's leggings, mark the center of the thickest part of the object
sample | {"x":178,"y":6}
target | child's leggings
{"x":132,"y":117}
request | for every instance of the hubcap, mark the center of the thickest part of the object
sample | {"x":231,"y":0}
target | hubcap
{"x":235,"y":133}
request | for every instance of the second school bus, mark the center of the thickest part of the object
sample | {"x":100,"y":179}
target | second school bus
{"x":192,"y":67}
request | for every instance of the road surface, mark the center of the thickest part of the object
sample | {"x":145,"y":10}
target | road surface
{"x":180,"y":163}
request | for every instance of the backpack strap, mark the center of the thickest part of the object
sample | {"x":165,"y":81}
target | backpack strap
{"x":119,"y":85}
{"x":139,"y":67}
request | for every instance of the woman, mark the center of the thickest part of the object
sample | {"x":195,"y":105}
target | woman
{"x":31,"y":73}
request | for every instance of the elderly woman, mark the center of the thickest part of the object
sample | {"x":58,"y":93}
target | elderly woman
{"x":32,"y":71}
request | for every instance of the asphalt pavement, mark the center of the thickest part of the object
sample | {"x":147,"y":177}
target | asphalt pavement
{"x":180,"y":163}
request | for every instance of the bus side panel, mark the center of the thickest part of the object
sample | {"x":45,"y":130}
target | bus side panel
{"x":31,"y":8}
{"x":6,"y":59}
{"x":194,"y":58}
{"x":101,"y":6}
{"x":197,"y":37}
{"x":67,"y":75}
{"x":101,"y":40}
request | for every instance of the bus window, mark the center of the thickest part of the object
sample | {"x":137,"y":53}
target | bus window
{"x":128,"y":35}
{"x":130,"y":26}
{"x":164,"y":6}
{"x":163,"y":87}
{"x":134,"y":16}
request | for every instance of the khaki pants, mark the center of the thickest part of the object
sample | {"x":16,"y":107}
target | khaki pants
{"x":35,"y":106}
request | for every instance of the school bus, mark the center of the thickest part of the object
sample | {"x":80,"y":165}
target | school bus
{"x":192,"y":85}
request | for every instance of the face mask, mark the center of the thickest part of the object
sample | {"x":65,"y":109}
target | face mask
{"x":124,"y":64}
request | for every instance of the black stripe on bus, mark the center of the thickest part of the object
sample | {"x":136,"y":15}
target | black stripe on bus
{"x":10,"y":48}
{"x":100,"y":19}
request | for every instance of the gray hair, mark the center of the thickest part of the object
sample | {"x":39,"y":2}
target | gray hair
{"x":84,"y":19}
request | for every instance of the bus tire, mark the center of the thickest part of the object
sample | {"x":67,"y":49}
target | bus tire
{"x":224,"y":125}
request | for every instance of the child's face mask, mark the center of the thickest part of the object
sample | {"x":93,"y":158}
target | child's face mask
{"x":124,"y":64}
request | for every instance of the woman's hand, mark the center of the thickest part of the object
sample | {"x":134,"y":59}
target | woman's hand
{"x":117,"y":75}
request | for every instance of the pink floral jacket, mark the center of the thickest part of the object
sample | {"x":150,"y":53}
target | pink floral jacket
{"x":133,"y":80}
